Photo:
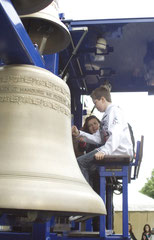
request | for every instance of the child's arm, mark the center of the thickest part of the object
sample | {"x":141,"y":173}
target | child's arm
{"x":91,"y":138}
{"x":88,"y":138}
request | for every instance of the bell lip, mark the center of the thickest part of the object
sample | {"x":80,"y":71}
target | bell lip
{"x":26,"y":193}
{"x":47,"y":17}
{"x":55,"y":213}
{"x":33,"y":9}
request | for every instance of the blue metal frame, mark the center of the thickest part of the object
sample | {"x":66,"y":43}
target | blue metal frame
{"x":123,"y":37}
{"x":41,"y":231}
{"x":16,"y":47}
{"x":123,"y":174}
{"x":52,"y":62}
{"x":15,"y":236}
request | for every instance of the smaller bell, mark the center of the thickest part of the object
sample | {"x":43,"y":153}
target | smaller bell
{"x":46,"y":29}
{"x":28,"y":6}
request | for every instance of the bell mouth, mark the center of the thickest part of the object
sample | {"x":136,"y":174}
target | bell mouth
{"x":30,"y":6}
{"x":53,"y":30}
{"x":47,"y":30}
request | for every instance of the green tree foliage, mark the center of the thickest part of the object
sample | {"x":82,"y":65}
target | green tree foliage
{"x":148,"y":188}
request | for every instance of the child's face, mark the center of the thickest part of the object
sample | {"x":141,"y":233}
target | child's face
{"x":93,"y":125}
{"x":100,"y":104}
{"x":147,"y":228}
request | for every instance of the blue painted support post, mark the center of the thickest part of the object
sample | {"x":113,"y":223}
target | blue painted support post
{"x":41,"y":231}
{"x":109,"y":207}
{"x":125,"y":201}
{"x":16,"y":47}
{"x":77,"y":109}
{"x":52,"y":62}
{"x":102,"y":194}
{"x":89,"y":225}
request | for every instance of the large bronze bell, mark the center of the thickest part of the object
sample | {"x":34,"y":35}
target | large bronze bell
{"x":38,"y":169}
{"x":46,"y":29}
{"x":30,"y":6}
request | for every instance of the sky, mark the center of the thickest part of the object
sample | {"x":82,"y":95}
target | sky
{"x":106,"y":9}
{"x":138,"y":107}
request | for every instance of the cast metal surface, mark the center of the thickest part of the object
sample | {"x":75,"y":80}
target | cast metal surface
{"x":39,"y":170}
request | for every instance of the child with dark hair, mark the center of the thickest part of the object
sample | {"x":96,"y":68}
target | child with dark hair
{"x":89,"y":132}
{"x":146,"y":235}
{"x":91,"y":124}
{"x":83,"y":145}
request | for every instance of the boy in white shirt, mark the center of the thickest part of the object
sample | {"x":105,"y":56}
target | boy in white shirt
{"x":114,"y":132}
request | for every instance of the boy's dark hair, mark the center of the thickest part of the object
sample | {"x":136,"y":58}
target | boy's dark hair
{"x":85,"y":127}
{"x":102,"y":91}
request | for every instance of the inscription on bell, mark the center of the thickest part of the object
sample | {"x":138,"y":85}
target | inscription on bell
{"x":50,"y":95}
{"x":35,"y":101}
{"x":38,"y":92}
{"x":15,"y":79}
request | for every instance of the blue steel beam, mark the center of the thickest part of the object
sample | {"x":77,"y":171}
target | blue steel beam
{"x":15,"y":236}
{"x":15,"y":45}
{"x":79,"y":23}
{"x":125,"y":201}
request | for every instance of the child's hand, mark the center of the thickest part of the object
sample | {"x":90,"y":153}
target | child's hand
{"x":75,"y":131}
{"x":99,"y":155}
{"x":81,"y":139}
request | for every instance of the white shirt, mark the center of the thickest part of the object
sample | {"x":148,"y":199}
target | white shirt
{"x":114,"y":135}
{"x":94,"y":138}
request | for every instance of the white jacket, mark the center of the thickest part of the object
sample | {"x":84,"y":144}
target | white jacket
{"x":114,"y":133}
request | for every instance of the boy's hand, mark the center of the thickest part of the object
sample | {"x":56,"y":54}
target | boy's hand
{"x":75,"y":131}
{"x":99,"y":155}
